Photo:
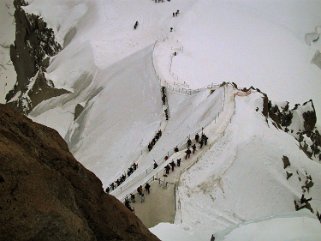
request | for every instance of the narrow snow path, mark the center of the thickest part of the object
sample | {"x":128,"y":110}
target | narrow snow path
{"x":152,"y":213}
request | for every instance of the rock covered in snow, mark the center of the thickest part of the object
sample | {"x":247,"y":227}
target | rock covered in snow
{"x":34,"y":45}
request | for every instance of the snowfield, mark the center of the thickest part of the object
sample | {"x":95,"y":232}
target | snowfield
{"x":249,"y":42}
{"x":115,"y":73}
{"x":242,"y":176}
{"x":293,"y":226}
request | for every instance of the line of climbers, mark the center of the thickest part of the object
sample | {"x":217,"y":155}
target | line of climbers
{"x":155,"y":139}
{"x":121,"y":179}
{"x":171,"y":166}
{"x":201,"y":141}
{"x":140,"y":192}
{"x":175,"y":14}
{"x":164,"y":99}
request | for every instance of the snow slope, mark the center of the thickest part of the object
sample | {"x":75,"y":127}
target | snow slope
{"x":204,"y":110}
{"x":258,"y":43}
{"x":278,"y":228}
{"x":242,"y":176}
{"x":248,"y":42}
{"x":294,"y":226}
{"x":119,"y":115}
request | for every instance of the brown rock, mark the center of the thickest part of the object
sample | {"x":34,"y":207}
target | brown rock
{"x":45,"y":194}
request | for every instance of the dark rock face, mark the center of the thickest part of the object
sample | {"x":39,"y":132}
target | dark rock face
{"x":47,"y":195}
{"x":34,"y":44}
{"x":282,"y":118}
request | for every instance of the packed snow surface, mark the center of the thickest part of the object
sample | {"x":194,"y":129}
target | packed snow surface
{"x":277,"y":228}
{"x":293,"y":226}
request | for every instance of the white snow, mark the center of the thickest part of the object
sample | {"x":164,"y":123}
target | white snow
{"x":293,"y":226}
{"x":259,"y":43}
{"x":61,"y":16}
{"x":242,"y":176}
{"x":172,"y":232}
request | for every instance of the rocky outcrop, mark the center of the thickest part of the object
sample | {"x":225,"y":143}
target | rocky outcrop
{"x":47,"y":195}
{"x":34,"y":45}
{"x":300,"y":122}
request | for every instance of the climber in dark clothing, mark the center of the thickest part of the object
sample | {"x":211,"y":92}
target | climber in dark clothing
{"x":127,"y":204}
{"x":132,"y":198}
{"x":166,"y":114}
{"x":212,"y":238}
{"x":147,"y":187}
{"x":204,"y":139}
{"x":136,"y":25}
{"x":135,"y":165}
{"x":172,"y":165}
{"x":178,"y":162}
{"x":201,"y":143}
{"x":123,"y":178}
{"x":176,"y":149}
{"x":155,"y":165}
{"x":164,"y":99}
{"x":194,"y":148}
{"x":107,"y":189}
{"x":189,"y":142}
{"x":188,"y":153}
{"x":197,"y":137}
{"x":167,"y":168}
{"x":130,"y":171}
{"x":140,"y":190}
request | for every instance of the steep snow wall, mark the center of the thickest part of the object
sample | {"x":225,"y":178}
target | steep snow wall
{"x":247,"y":42}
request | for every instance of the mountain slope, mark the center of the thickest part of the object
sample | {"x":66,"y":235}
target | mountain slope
{"x":117,"y":77}
{"x":242,"y":177}
{"x":47,"y":195}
